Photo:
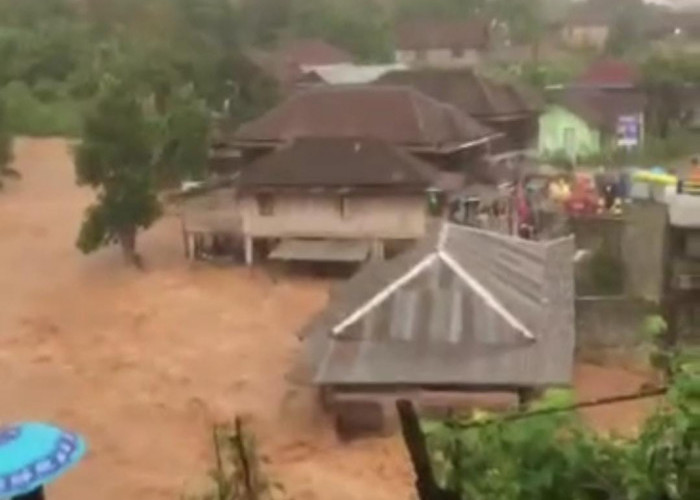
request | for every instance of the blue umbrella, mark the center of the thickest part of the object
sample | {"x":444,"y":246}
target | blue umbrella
{"x":34,"y":454}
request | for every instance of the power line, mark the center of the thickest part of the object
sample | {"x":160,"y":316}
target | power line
{"x":649,"y":393}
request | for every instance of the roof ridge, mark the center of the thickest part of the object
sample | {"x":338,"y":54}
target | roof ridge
{"x":439,"y":253}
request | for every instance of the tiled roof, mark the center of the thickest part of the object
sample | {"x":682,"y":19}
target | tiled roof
{"x":338,"y":163}
{"x":465,"y":308}
{"x":398,"y":115}
{"x":312,"y":52}
{"x":469,"y":91}
{"x":287,"y":61}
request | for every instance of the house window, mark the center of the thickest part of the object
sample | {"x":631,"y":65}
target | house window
{"x":343,"y":206}
{"x":266,"y":204}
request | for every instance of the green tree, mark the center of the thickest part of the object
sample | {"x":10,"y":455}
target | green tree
{"x":115,"y":158}
{"x":441,"y":9}
{"x":556,"y":456}
{"x":628,"y":28}
{"x":361,"y":27}
{"x":664,"y":78}
{"x":184,"y":134}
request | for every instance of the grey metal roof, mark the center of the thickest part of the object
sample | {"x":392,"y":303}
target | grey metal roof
{"x":456,"y":310}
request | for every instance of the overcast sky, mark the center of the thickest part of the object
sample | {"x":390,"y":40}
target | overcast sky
{"x":678,"y":3}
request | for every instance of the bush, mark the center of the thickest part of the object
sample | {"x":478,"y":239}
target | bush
{"x":28,"y":115}
{"x":556,"y":456}
{"x":47,"y":90}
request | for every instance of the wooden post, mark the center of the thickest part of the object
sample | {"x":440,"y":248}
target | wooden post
{"x":248,"y":244}
{"x":426,"y":485}
{"x":377,"y":250}
{"x":185,"y":238}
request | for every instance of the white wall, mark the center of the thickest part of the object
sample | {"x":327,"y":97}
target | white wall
{"x":319,"y":216}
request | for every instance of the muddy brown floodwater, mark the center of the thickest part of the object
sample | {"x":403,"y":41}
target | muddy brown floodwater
{"x":143,"y":363}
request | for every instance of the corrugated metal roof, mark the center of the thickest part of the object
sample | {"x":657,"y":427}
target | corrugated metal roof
{"x":438,"y":328}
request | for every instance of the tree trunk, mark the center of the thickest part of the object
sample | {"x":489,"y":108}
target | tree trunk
{"x":127,"y":239}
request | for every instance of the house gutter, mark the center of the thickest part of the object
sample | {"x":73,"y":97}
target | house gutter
{"x":471,"y":144}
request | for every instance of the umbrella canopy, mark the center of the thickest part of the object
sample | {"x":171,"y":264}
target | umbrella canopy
{"x":34,"y":454}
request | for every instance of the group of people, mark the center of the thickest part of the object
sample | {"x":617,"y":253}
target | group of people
{"x":589,"y":194}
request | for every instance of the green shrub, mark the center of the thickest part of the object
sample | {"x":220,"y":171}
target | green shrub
{"x":26,"y":114}
{"x":556,"y":456}
{"x":47,"y":90}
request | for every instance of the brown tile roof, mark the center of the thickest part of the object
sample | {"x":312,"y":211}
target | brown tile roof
{"x":437,"y":34}
{"x":286,"y":62}
{"x":469,"y":91}
{"x":399,"y":115}
{"x":338,"y":163}
{"x":465,"y":308}
{"x":313,"y":52}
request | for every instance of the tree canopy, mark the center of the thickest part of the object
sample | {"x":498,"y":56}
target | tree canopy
{"x":136,"y":139}
{"x":115,"y":158}
{"x":556,"y":456}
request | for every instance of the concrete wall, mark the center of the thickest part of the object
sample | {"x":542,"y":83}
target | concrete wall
{"x":552,"y":136}
{"x":440,"y":58}
{"x":610,"y":322}
{"x":604,"y":272}
{"x":320,"y":216}
{"x":643,"y":247}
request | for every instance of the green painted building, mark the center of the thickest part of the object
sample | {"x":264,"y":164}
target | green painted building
{"x":562,"y":131}
{"x":581,"y":122}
